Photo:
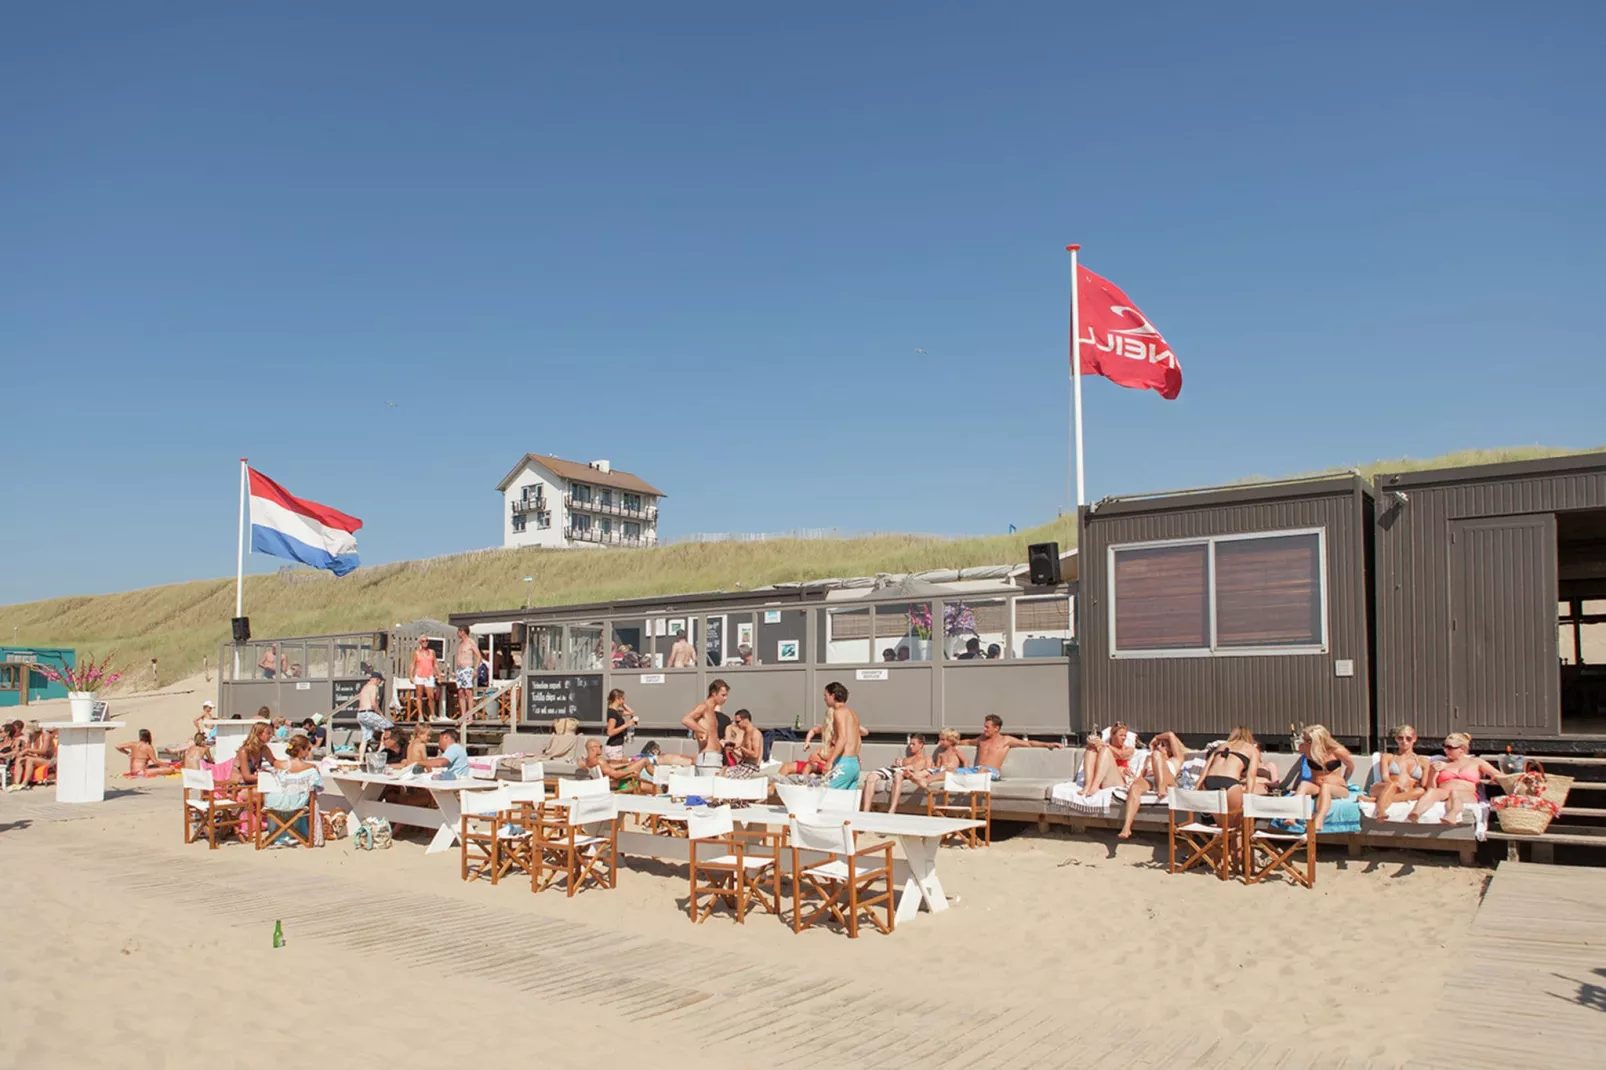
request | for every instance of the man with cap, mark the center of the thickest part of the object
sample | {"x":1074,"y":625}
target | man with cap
{"x":208,"y":711}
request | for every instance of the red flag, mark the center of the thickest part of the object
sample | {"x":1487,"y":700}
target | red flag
{"x":1119,"y":342}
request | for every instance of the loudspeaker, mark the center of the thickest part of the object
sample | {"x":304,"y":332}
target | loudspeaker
{"x":384,"y":641}
{"x":242,"y":629}
{"x":1043,"y":562}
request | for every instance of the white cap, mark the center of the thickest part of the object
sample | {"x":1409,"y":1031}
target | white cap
{"x":208,"y":705}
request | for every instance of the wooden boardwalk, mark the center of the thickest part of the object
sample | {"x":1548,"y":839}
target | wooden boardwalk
{"x":1534,"y":990}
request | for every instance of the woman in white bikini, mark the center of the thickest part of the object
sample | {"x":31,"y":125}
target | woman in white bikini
{"x":1160,"y":771}
{"x":1404,"y":776}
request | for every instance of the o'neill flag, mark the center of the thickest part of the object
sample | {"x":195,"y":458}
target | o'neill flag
{"x":1119,"y":342}
{"x":286,"y":526}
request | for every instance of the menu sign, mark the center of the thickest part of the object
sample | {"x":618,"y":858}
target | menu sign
{"x":346,"y":690}
{"x":578,"y":696}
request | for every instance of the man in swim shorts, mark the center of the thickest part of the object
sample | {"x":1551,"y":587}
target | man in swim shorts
{"x":842,"y":756}
{"x":368,"y":715}
{"x":992,"y":747}
{"x":467,"y":664}
{"x":703,"y":723}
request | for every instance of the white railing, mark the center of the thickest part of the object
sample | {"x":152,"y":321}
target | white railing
{"x":609,"y":538}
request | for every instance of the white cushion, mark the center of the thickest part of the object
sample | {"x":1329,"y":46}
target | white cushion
{"x":833,"y":870}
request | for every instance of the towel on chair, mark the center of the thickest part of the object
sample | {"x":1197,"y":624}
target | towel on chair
{"x":1344,"y":815}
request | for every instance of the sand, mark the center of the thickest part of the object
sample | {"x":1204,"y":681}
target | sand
{"x":1058,"y":951}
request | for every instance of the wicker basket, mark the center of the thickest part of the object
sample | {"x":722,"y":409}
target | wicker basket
{"x":1524,"y":815}
{"x":1555,"y":787}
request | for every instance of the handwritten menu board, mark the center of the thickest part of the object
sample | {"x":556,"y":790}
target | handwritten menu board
{"x":346,"y":690}
{"x":578,"y":695}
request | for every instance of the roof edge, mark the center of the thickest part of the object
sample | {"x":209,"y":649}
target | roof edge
{"x":1322,"y":486}
{"x":1471,"y":473}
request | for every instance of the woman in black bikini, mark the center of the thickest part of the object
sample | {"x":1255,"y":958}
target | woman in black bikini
{"x":1232,"y":767}
{"x":1330,"y":765}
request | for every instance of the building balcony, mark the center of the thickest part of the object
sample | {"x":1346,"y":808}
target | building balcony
{"x":609,"y":538}
{"x":648,"y":513}
{"x":529,"y":505}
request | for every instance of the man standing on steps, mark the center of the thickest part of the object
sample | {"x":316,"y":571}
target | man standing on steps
{"x":703,"y":723}
{"x":842,"y":756}
{"x":467,"y":664}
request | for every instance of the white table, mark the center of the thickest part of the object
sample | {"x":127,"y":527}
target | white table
{"x":230,"y":734}
{"x":917,"y":836}
{"x":81,"y":759}
{"x":362,"y":790}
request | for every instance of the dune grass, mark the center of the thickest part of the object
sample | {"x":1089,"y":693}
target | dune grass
{"x":183,"y":623}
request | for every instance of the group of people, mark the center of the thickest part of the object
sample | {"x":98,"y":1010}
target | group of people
{"x":991,"y":745}
{"x":29,"y":754}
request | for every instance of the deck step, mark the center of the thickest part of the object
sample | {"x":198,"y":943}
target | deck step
{"x":1583,"y":811}
{"x":1551,"y":837}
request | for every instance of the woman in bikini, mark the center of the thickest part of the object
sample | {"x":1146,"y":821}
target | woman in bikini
{"x":198,"y":754}
{"x":1232,"y":767}
{"x":1106,"y":764}
{"x":1403,"y":777}
{"x":142,"y":759}
{"x":1160,"y":771}
{"x":1455,"y":780}
{"x":1331,"y":765}
{"x":38,"y":753}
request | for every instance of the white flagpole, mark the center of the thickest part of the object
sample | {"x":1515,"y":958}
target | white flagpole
{"x":1076,"y":382}
{"x":239,"y":567}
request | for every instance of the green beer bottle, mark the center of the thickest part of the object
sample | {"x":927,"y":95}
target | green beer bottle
{"x":278,"y":934}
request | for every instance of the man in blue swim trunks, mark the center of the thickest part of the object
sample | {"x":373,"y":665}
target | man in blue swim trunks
{"x":842,"y":757}
{"x":992,"y":746}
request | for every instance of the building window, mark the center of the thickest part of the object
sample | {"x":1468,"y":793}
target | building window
{"x":605,"y":497}
{"x":632,"y":530}
{"x":607,"y":525}
{"x":543,"y":521}
{"x":580,"y":522}
{"x":533,"y":493}
{"x":580,"y":493}
{"x":518,"y":522}
{"x":1233,"y":594}
{"x":633,"y":501}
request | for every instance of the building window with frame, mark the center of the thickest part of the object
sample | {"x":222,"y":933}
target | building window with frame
{"x":607,"y":526}
{"x":605,"y":497}
{"x":532,"y":493}
{"x":580,"y":493}
{"x":1263,"y":592}
{"x":633,"y":501}
{"x":543,"y":521}
{"x":518,"y":522}
{"x":580,"y":522}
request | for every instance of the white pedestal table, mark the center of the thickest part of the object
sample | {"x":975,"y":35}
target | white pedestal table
{"x":81,"y":759}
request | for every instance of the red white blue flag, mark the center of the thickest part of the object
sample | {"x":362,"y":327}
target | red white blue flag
{"x":286,"y":526}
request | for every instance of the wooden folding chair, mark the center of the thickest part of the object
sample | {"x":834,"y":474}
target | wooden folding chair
{"x":477,"y":831}
{"x":207,"y":810}
{"x":840,"y":883}
{"x":1206,"y":844}
{"x":1270,"y":850}
{"x":272,"y":825}
{"x":737,"y":867}
{"x":976,"y":805}
{"x":578,"y":842}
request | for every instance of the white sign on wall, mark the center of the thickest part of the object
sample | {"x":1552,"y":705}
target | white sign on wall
{"x":652,"y":678}
{"x":870,"y":674}
{"x":772,"y":616}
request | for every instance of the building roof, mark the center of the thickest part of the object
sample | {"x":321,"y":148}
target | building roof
{"x":583,"y":473}
{"x":1320,"y":486}
{"x":1593,"y":461}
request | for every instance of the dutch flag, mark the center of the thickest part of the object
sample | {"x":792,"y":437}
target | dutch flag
{"x":286,"y":526}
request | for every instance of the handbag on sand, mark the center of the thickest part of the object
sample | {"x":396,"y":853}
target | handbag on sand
{"x":372,"y":835}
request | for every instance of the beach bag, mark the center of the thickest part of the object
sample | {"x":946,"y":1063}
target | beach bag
{"x":1534,"y":782}
{"x":1524,"y":815}
{"x":372,"y":835}
{"x":334,"y":823}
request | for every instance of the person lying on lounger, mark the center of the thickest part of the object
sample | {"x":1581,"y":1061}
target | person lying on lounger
{"x":1160,"y":771}
{"x":915,"y":760}
{"x":142,"y":759}
{"x":1106,"y":764}
{"x":992,"y":747}
{"x":594,"y":766}
{"x":1403,"y":777}
{"x":656,"y":755}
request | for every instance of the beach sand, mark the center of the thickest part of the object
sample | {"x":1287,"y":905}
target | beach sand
{"x":1058,"y":951}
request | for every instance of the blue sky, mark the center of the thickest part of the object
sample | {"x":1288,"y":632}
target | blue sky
{"x":705,"y":241}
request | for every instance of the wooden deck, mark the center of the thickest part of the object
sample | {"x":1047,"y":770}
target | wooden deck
{"x":1535,"y":994}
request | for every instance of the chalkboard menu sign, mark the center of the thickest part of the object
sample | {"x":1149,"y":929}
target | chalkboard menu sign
{"x":578,"y":696}
{"x":346,"y":690}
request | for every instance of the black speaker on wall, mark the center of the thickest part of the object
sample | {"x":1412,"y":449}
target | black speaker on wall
{"x":1043,"y":563}
{"x":242,"y":629}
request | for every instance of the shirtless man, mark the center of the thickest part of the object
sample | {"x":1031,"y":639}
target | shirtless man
{"x":270,"y":662}
{"x":681,"y":655}
{"x":746,"y":743}
{"x":142,"y":759}
{"x":597,"y":766}
{"x":842,"y":754}
{"x":992,"y":746}
{"x":467,"y":664}
{"x":915,"y":760}
{"x":703,"y":723}
{"x":424,"y":677}
{"x":368,"y":713}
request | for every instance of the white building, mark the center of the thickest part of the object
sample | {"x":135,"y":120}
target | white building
{"x":547,"y":501}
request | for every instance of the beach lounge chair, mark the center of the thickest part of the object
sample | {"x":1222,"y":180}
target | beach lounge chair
{"x":737,"y":867}
{"x":207,"y":810}
{"x":577,"y":842}
{"x":277,"y":806}
{"x":1206,"y":844}
{"x":1272,"y":850}
{"x":975,"y":804}
{"x":843,"y":885}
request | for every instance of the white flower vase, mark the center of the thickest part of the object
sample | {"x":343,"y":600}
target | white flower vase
{"x":83,"y":706}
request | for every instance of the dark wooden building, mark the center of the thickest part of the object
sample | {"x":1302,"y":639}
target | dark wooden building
{"x":1201,"y":610}
{"x":1491,"y":599}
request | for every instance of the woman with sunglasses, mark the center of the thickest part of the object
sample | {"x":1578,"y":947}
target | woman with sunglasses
{"x":1329,"y":765}
{"x":1403,"y":777}
{"x":1455,"y":780}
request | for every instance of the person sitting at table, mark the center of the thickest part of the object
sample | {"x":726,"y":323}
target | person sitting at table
{"x":252,"y":756}
{"x":744,"y":747}
{"x":316,"y":732}
{"x":142,"y":759}
{"x":565,"y":740}
{"x":595,"y":765}
{"x":198,"y":755}
{"x":1160,"y":771}
{"x":391,"y":746}
{"x":418,"y":743}
{"x":38,"y":754}
{"x":452,"y":761}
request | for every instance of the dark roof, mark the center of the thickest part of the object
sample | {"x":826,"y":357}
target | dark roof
{"x":1475,"y":473}
{"x":1207,"y":497}
{"x":583,"y":473}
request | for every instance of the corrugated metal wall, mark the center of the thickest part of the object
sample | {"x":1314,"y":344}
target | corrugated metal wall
{"x":1209,"y":695}
{"x":1413,"y":583}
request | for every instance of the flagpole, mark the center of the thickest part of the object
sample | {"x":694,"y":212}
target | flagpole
{"x":1076,"y":382}
{"x":239,"y":550}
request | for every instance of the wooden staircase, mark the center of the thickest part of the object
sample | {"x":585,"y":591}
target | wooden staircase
{"x":1579,"y":830}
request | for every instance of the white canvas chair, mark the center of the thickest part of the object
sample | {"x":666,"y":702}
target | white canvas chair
{"x":839,"y":801}
{"x":750,"y":790}
{"x":581,"y":789}
{"x":494,"y":840}
{"x":1206,"y":844}
{"x":682,"y":785}
{"x":532,"y":771}
{"x":843,"y":885}
{"x":738,"y":872}
{"x":578,"y":842}
{"x":274,"y":825}
{"x":1270,"y":850}
{"x":975,"y":804}
{"x":207,"y":811}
